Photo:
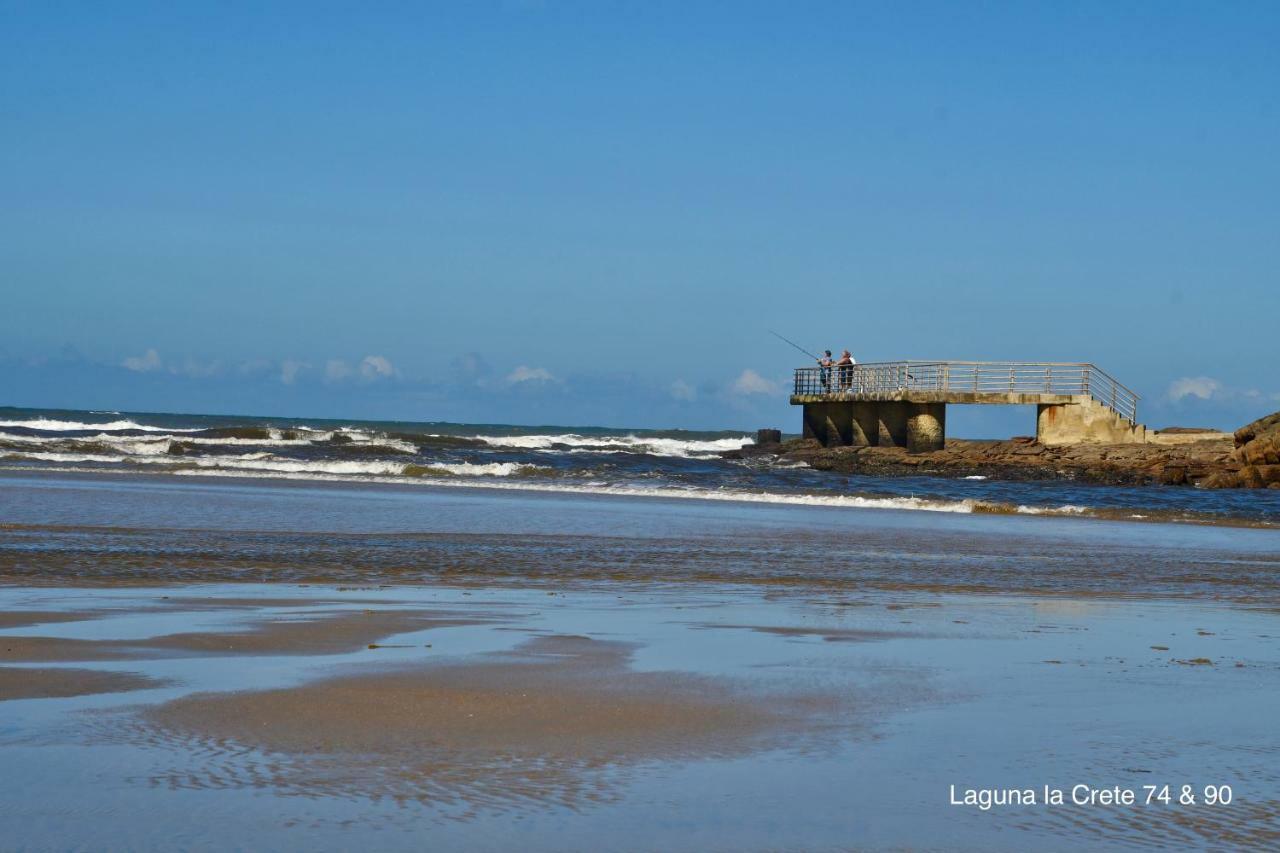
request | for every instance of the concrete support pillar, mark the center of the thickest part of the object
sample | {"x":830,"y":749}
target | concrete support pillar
{"x":828,"y":423}
{"x":926,"y":427}
{"x":865,"y":426}
{"x":1054,"y":424}
{"x":815,"y":422}
{"x":891,"y":424}
{"x":839,"y":424}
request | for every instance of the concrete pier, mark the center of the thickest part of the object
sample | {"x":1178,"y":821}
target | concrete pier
{"x":904,"y":404}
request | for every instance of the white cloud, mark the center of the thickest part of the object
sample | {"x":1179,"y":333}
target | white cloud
{"x":749,"y":382}
{"x":682,"y":390}
{"x":375,"y":367}
{"x":289,"y":370}
{"x":336,"y":370}
{"x":530,"y":374}
{"x":143,"y":363}
{"x":1194,"y":386}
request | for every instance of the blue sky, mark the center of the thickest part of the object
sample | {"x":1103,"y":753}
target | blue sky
{"x":591,"y":212}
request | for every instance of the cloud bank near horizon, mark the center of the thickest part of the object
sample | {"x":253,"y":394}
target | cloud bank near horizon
{"x":372,"y":386}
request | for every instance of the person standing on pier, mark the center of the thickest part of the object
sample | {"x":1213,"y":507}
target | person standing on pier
{"x":846,"y":364}
{"x":825,"y":364}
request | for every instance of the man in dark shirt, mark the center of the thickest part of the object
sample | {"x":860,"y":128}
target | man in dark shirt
{"x":825,"y":363}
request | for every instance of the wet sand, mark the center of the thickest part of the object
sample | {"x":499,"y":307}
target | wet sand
{"x":28,"y":618}
{"x":990,"y":555}
{"x":555,"y":720}
{"x":563,"y":695}
{"x":317,"y":634}
{"x":823,"y":723}
{"x":28,"y":683}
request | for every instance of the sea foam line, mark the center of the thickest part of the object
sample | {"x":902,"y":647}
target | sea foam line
{"x":572,"y":442}
{"x":264,"y":464}
{"x":620,"y":490}
{"x":50,"y":425}
{"x":145,"y":445}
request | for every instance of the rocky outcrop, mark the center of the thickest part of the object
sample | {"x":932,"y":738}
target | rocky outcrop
{"x":1257,"y":457}
{"x":1248,"y":459}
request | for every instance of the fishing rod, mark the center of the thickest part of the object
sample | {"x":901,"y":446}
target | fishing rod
{"x":794,"y":344}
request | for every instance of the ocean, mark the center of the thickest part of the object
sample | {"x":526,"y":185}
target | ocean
{"x":583,"y":460}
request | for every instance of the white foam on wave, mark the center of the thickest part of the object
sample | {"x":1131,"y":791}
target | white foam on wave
{"x":668,"y":492}
{"x":56,"y":456}
{"x":50,"y":425}
{"x":485,"y":469}
{"x":391,"y":473}
{"x":351,"y":467}
{"x":289,"y":466}
{"x":386,"y":472}
{"x":1065,"y":509}
{"x":264,"y":464}
{"x":153,"y":444}
{"x":574,"y":443}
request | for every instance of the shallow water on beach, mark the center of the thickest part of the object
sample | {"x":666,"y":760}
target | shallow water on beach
{"x":275,"y":665}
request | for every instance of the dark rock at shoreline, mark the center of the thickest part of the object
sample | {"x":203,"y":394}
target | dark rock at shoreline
{"x":766,"y":437}
{"x":1248,"y":459}
{"x":1024,"y":459}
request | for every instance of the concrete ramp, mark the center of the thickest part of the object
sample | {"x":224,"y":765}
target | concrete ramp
{"x":1085,"y":421}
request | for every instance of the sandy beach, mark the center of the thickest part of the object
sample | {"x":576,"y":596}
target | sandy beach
{"x":748,"y":678}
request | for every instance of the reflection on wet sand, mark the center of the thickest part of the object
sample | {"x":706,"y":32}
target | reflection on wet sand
{"x":550,"y":721}
{"x":32,"y":683}
{"x":307,"y":634}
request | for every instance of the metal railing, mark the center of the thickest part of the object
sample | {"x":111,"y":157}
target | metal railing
{"x":990,"y":377}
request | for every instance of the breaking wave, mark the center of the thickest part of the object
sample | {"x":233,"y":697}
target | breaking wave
{"x":652,"y":445}
{"x":265,"y":464}
{"x":49,"y":425}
